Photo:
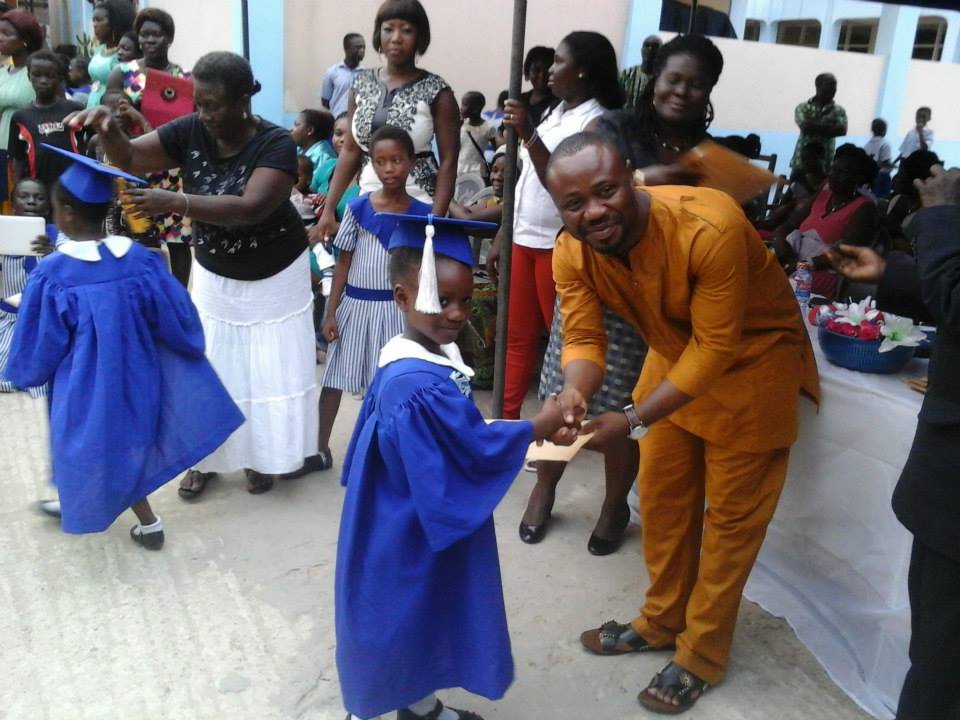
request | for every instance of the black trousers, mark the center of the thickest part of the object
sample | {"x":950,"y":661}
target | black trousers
{"x":931,"y":690}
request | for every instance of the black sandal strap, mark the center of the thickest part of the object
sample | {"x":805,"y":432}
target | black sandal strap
{"x":611,"y":632}
{"x":682,"y":682}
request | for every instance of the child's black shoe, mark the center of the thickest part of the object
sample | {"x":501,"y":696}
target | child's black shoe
{"x":151,"y":538}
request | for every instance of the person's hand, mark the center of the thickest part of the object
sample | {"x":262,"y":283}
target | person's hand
{"x":548,"y":420}
{"x":329,"y":329}
{"x":134,"y":117}
{"x":516,"y":115}
{"x":147,"y":202}
{"x":325,"y":229}
{"x":574,"y":408}
{"x":99,"y":119}
{"x":672,"y":174}
{"x":493,"y":257}
{"x":860,"y":264}
{"x":605,"y":428}
{"x":42,"y":246}
{"x":941,"y":188}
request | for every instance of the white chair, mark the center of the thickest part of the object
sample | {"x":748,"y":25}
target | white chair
{"x":467,"y":185}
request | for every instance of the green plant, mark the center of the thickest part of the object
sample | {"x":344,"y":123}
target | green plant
{"x":86,"y":46}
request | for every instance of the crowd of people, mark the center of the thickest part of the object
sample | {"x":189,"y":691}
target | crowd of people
{"x":657,"y":312}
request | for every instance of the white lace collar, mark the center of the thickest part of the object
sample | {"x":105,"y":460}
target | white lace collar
{"x":88,"y":250}
{"x":401,"y":348}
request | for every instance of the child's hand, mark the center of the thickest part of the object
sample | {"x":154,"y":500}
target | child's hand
{"x":549,"y":420}
{"x":42,"y":246}
{"x":329,"y":329}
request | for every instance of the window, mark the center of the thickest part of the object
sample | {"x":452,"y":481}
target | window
{"x":799,"y":32}
{"x":928,"y":42}
{"x":857,"y":36}
{"x":751,"y":30}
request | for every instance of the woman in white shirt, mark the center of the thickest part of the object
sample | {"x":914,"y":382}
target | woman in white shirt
{"x":584,"y":77}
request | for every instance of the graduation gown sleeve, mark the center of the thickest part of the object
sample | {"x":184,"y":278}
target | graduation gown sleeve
{"x":41,"y":340}
{"x":458,"y":466}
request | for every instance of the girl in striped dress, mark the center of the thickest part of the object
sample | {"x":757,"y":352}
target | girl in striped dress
{"x":29,"y":199}
{"x":361,"y":314}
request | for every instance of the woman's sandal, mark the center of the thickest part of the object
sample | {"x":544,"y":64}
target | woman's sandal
{"x":198,"y":482}
{"x":686,"y":688}
{"x":612,"y":638}
{"x":258,"y":483}
{"x":323,"y":460}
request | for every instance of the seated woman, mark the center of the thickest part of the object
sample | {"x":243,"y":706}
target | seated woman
{"x":839,"y":212}
{"x":905,"y":200}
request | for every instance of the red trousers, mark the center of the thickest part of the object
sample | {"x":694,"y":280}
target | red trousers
{"x":532,"y":294}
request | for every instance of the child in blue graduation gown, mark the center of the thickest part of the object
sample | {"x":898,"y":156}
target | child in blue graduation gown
{"x":419,"y":603}
{"x":134,"y":401}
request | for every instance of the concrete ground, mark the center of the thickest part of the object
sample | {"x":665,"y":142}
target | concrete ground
{"x":234,"y":618}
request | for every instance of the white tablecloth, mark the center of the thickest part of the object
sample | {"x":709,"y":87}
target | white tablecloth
{"x":835,"y":560}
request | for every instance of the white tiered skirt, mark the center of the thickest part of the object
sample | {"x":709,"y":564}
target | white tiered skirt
{"x":260,"y":340}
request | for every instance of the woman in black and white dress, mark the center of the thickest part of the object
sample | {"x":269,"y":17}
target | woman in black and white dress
{"x":404,"y":96}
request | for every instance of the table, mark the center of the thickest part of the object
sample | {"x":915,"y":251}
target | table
{"x":835,"y":560}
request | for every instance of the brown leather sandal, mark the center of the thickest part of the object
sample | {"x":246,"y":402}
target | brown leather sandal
{"x":612,"y":638}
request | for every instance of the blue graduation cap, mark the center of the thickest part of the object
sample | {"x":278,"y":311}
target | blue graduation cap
{"x":88,"y":180}
{"x":434,"y":235}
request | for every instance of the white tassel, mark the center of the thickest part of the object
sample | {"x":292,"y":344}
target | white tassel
{"x":428,"y":296}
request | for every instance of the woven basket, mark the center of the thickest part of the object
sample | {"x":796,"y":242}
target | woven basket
{"x":862,"y":355}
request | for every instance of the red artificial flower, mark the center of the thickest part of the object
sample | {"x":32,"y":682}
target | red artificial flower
{"x":869,"y":331}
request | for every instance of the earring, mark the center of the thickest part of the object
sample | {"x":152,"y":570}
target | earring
{"x":581,"y":76}
{"x":245,"y":116}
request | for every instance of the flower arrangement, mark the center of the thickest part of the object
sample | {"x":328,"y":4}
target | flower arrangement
{"x":859,"y":337}
{"x":862,"y":320}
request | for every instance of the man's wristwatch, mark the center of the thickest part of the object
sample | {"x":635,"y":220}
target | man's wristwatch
{"x":637,"y":427}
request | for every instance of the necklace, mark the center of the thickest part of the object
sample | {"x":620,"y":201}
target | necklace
{"x":667,"y":146}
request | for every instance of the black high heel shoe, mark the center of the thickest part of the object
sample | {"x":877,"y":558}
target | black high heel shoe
{"x":532,"y":534}
{"x":599,"y":546}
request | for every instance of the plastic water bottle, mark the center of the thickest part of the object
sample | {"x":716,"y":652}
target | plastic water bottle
{"x":802,"y":284}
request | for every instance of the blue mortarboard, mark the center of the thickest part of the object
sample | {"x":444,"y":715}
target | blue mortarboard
{"x":88,"y":180}
{"x":434,"y":235}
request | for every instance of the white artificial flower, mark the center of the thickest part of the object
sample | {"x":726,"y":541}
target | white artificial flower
{"x":899,"y":332}
{"x":857,"y":312}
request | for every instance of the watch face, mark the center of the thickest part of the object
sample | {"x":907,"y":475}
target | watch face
{"x":638,"y":432}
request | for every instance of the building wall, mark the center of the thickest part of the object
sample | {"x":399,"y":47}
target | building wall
{"x":470,"y":46}
{"x":202,"y":26}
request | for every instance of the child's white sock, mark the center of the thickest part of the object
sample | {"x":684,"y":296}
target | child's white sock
{"x":426,"y":706}
{"x":152,"y":527}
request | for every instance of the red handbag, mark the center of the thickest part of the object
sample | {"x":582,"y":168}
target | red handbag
{"x":166,"y":97}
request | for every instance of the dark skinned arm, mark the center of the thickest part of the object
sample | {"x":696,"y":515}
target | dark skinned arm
{"x":475,"y":212}
{"x":115,"y":79}
{"x":141,"y":156}
{"x":779,"y":238}
{"x":264,"y":192}
{"x":330,"y":331}
{"x":446,"y":127}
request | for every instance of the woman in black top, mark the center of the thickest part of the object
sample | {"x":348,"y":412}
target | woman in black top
{"x":672,"y":113}
{"x":251,"y":283}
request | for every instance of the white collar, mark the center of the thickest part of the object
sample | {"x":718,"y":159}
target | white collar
{"x":88,"y":251}
{"x":401,"y":348}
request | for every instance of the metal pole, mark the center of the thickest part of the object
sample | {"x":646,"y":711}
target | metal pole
{"x":693,"y":16}
{"x":509,"y":191}
{"x":245,"y":20}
